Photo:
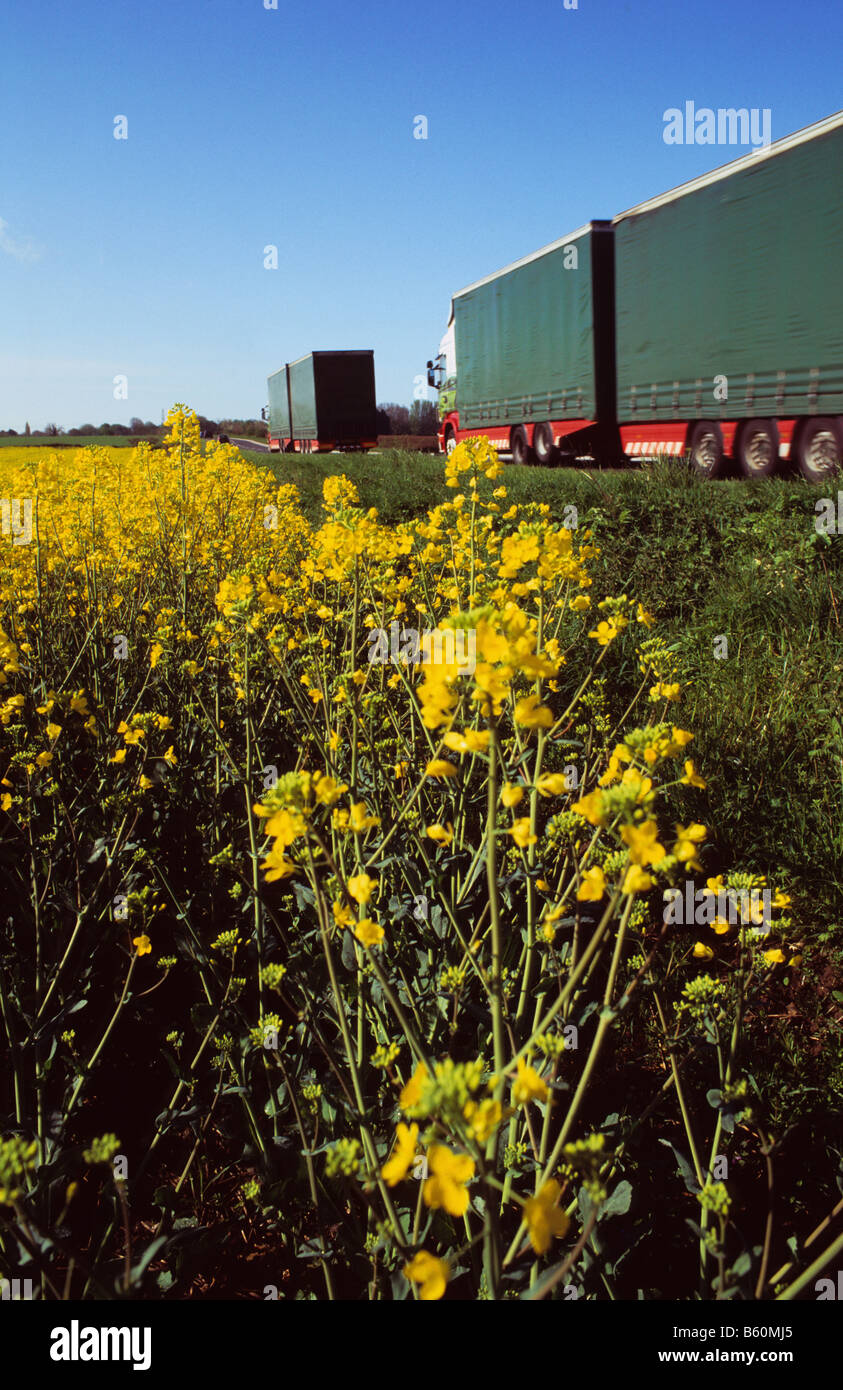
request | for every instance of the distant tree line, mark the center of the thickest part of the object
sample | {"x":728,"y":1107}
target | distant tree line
{"x":247,"y":429}
{"x":52,"y":431}
{"x":421,"y":417}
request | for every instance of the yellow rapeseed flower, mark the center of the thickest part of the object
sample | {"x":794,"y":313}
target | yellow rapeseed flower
{"x":636,"y":880}
{"x":692,"y":777}
{"x":642,"y":839}
{"x":592,"y":808}
{"x":401,"y":1160}
{"x":528,"y":1085}
{"x":605,"y":633}
{"x":359,"y":820}
{"x":531,"y":714}
{"x":483,"y":1118}
{"x":774,"y":956}
{"x":593,"y":885}
{"x":449,"y":1173}
{"x":430,"y":1272}
{"x":687,"y":839}
{"x":411,"y":1092}
{"x":543,"y":1218}
{"x":361,"y":887}
{"x":368,"y":933}
{"x":277,"y":865}
{"x":520,"y":832}
{"x":552,"y":784}
{"x":443,"y":835}
{"x":439,"y":767}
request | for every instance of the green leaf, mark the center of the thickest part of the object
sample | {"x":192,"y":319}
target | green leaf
{"x":149,"y":1253}
{"x":620,"y":1200}
{"x":545,"y":1282}
{"x":685,"y":1169}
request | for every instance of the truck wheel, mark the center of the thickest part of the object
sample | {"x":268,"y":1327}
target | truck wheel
{"x":544,"y":446}
{"x":518,"y":445}
{"x":819,"y":449}
{"x":705,"y":449}
{"x":758,"y":449}
{"x":450,"y":440}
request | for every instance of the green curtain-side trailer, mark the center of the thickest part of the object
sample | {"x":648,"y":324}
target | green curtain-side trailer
{"x":706,"y":322}
{"x":279,"y":414}
{"x":324,"y":401}
{"x":729,"y":299}
{"x":533,"y":342}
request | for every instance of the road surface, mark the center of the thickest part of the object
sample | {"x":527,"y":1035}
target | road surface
{"x":253,"y":444}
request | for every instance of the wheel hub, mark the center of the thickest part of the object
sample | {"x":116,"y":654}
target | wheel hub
{"x":822,"y":455}
{"x":706,"y":452}
{"x":759,"y":452}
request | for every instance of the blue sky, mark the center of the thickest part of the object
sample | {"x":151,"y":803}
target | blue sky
{"x":250,"y":127}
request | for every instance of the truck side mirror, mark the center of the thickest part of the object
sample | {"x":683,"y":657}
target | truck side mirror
{"x":430,"y":376}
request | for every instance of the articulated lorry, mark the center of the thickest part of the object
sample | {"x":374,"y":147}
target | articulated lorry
{"x":323,"y":401}
{"x":707,"y":321}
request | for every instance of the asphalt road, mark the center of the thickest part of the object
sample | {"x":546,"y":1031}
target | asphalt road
{"x":253,"y":444}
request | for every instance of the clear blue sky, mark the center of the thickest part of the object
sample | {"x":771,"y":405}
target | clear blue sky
{"x":293,"y":126}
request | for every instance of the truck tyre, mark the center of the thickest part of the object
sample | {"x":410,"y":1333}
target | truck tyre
{"x":450,"y":440}
{"x":519,"y":447}
{"x":819,"y":449}
{"x":757,"y":449}
{"x":705,"y":449}
{"x":544,"y":446}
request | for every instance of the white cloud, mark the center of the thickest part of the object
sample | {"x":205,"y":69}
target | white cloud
{"x":21,"y":250}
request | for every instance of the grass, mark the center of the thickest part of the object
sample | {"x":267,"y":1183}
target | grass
{"x":731,"y":559}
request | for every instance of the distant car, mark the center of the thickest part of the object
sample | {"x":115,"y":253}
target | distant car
{"x":224,"y":439}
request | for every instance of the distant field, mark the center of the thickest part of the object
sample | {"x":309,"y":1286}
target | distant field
{"x":71,"y":441}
